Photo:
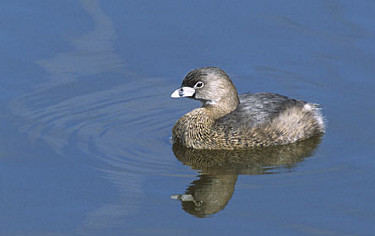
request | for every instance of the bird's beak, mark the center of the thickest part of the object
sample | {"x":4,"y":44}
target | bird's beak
{"x":183,"y":92}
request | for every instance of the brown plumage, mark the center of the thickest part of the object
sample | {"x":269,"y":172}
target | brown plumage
{"x":229,"y":121}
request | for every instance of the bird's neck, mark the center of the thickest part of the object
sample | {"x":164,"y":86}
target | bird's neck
{"x":218,"y":109}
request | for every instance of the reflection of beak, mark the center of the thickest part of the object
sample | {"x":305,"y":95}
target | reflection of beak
{"x":183,"y":92}
{"x":183,"y":197}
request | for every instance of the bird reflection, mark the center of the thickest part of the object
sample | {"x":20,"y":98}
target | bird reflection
{"x":219,"y":170}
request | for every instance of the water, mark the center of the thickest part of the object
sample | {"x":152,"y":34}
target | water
{"x":86,"y":118}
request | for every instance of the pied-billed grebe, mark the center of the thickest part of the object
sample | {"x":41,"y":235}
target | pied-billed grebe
{"x":229,"y":121}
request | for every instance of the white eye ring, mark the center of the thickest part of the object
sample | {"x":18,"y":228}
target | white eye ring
{"x":199,"y":84}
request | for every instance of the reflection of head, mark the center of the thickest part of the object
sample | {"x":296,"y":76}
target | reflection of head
{"x":213,"y":190}
{"x":208,"y":195}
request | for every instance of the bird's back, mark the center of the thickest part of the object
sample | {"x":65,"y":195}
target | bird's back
{"x":257,"y":108}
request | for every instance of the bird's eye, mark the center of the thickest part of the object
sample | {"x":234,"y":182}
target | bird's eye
{"x":199,"y":84}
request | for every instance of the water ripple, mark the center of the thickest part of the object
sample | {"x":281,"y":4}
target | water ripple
{"x":123,"y":127}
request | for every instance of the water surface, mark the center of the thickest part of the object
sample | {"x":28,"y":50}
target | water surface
{"x":86,"y":118}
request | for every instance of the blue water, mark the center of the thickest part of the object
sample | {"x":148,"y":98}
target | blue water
{"x":86,"y":117}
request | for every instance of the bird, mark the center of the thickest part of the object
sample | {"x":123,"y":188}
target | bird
{"x":230,"y":121}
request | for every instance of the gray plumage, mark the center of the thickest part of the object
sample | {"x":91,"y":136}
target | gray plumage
{"x":258,"y":108}
{"x":229,"y":121}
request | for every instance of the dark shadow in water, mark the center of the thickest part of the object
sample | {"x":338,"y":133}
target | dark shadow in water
{"x":219,"y":170}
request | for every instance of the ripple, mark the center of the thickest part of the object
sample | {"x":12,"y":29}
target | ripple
{"x":125,"y":127}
